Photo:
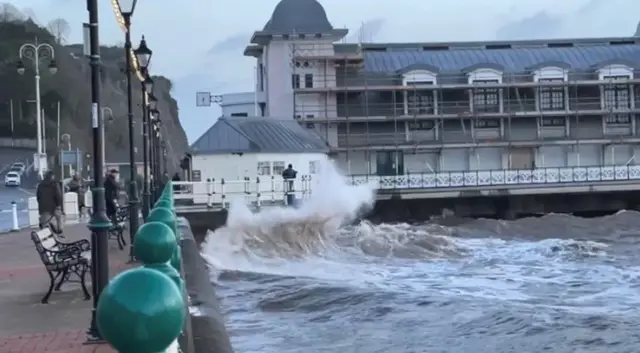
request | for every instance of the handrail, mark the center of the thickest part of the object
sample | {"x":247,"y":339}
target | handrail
{"x":157,"y":319}
{"x":272,"y":190}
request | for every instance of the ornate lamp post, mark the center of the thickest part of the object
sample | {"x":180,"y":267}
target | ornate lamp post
{"x":157,"y":174}
{"x":151,"y":109}
{"x":104,"y":138}
{"x":36,"y":52}
{"x":143,"y":56}
{"x":126,"y":8}
{"x":99,"y":223}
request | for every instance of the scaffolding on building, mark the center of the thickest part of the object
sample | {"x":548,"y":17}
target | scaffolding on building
{"x":417,"y":116}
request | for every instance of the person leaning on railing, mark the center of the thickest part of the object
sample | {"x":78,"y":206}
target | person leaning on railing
{"x":289,"y":175}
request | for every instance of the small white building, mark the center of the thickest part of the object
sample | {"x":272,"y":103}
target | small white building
{"x":241,"y":104}
{"x":235,"y":148}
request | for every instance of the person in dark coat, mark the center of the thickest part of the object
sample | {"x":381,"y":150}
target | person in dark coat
{"x":76,"y":185}
{"x":49,"y":197}
{"x":176,"y":177}
{"x":111,"y":191}
{"x":289,"y":176}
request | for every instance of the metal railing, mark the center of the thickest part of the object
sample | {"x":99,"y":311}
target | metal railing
{"x":355,"y":108}
{"x":503,"y":177}
{"x":257,"y":191}
{"x":273,"y":190}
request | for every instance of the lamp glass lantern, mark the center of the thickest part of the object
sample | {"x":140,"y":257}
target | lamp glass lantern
{"x":127,"y":7}
{"x":148,"y":84}
{"x":53,"y":67}
{"x":20,"y":67}
{"x":153,"y":102}
{"x":143,"y":54}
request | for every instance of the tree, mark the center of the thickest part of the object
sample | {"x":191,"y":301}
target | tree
{"x":10,"y":13}
{"x":60,"y":29}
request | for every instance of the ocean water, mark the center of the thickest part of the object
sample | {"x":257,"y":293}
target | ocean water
{"x":315,"y":279}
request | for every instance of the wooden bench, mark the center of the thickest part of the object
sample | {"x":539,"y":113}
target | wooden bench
{"x":62,"y":259}
{"x":119,"y":226}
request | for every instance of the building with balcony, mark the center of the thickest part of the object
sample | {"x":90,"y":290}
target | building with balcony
{"x":407,"y":108}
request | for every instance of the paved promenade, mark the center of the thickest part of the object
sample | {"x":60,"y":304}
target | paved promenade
{"x":57,"y":327}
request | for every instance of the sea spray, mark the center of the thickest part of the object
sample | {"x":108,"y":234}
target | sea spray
{"x":289,"y":231}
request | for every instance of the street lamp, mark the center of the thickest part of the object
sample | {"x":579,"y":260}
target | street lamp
{"x":143,"y":57}
{"x":99,"y":223}
{"x":126,"y":8}
{"x":35,"y":52}
{"x":155,"y":114}
{"x":153,"y":108}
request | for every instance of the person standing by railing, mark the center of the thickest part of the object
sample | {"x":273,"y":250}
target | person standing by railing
{"x":289,"y":175}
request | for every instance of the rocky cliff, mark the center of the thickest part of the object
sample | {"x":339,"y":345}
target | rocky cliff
{"x":69,"y":89}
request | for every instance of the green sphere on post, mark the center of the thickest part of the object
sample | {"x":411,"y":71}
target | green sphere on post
{"x":168,"y":189}
{"x":155,"y":245}
{"x":164,"y":215}
{"x":167,"y":217}
{"x":140,"y":311}
{"x":164,"y":203}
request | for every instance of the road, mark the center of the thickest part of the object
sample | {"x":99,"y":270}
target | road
{"x":20,"y":196}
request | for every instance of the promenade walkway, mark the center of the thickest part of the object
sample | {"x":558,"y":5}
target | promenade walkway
{"x":27,"y":325}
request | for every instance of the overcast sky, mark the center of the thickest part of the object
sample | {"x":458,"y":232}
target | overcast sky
{"x":198,"y":44}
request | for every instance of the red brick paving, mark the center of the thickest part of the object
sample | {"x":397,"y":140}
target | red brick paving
{"x":27,"y":325}
{"x":52,"y":342}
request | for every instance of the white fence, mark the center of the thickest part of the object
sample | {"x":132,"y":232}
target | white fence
{"x":272,"y":189}
{"x":269,"y":190}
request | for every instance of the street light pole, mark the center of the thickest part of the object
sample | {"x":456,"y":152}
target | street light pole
{"x":126,"y":12}
{"x":99,"y":223}
{"x":143,"y":56}
{"x":152,"y":153}
{"x":104,"y":136}
{"x":37,"y":51}
{"x":154,"y":160}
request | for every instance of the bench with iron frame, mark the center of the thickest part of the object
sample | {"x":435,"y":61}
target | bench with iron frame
{"x":62,"y":260}
{"x":119,"y":226}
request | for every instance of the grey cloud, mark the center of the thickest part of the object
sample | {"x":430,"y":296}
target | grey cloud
{"x":539,"y":25}
{"x":367,"y":32}
{"x":236,"y":42}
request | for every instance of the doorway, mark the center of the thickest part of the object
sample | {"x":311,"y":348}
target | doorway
{"x":522,"y":158}
{"x":389,"y":163}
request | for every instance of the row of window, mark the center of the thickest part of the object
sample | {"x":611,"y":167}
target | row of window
{"x":550,"y":98}
{"x":276,"y":168}
{"x":296,"y":81}
{"x":426,"y":125}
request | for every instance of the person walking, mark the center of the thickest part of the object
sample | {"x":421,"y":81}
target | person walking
{"x":49,"y":197}
{"x":76,"y":186}
{"x":111,"y":193}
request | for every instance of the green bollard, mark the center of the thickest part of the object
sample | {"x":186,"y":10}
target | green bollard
{"x":167,"y":217}
{"x":155,"y":245}
{"x":168,"y":190}
{"x":164,"y":203}
{"x":141,"y":311}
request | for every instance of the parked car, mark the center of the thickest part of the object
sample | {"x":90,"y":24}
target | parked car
{"x":12,"y":179}
{"x":18,"y":166}
{"x":16,"y":170}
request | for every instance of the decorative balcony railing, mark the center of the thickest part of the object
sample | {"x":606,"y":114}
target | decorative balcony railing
{"x":507,"y":177}
{"x":272,"y":190}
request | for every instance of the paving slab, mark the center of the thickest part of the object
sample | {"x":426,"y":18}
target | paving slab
{"x":29,"y":326}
